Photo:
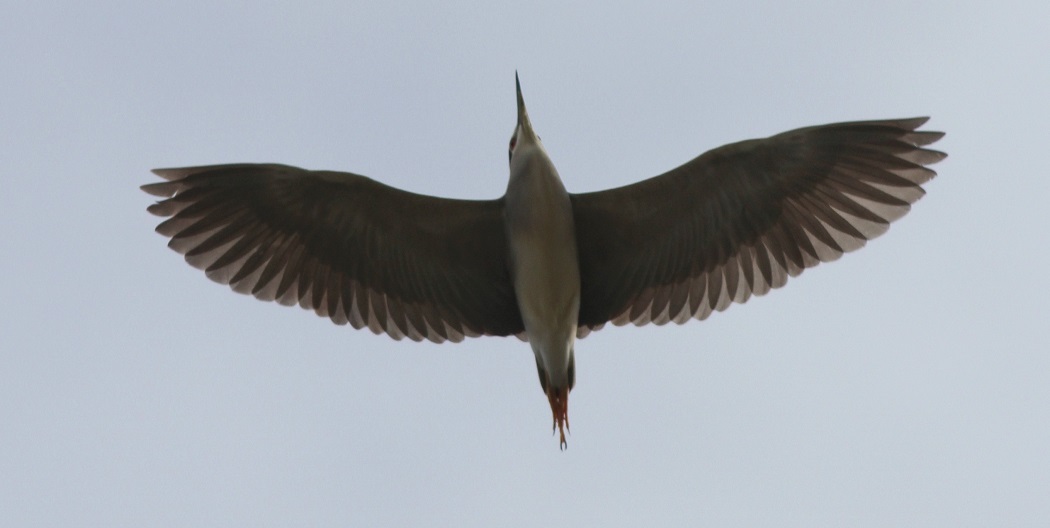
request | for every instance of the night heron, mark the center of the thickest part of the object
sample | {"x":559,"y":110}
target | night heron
{"x":541,"y":263}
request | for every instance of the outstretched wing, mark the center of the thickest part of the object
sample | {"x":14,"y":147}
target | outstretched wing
{"x":345,"y":246}
{"x":740,"y":219}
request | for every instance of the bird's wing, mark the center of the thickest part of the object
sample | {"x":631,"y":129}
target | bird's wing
{"x":345,"y":246}
{"x":740,"y":219}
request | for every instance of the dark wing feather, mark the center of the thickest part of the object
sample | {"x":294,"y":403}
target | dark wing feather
{"x":740,"y":219}
{"x":345,"y":246}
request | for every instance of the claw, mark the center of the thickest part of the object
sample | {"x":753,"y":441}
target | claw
{"x":559,"y":400}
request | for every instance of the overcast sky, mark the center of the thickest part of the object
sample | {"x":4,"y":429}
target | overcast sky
{"x":907,"y":384}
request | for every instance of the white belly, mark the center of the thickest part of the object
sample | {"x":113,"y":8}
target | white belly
{"x":547,"y":284}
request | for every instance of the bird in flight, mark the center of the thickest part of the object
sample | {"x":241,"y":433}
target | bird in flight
{"x":541,"y":263}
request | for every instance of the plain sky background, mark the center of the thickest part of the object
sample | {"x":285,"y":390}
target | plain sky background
{"x":907,"y":384}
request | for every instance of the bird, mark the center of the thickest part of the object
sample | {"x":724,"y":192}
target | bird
{"x":540,"y":263}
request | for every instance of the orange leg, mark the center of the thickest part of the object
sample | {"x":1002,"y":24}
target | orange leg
{"x":559,"y":399}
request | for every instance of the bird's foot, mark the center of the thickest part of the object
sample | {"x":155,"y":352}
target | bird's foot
{"x":559,"y":399}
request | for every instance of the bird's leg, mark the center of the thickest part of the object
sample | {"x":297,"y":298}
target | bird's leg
{"x":559,"y":399}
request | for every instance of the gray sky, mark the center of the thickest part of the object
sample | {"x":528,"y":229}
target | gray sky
{"x":907,"y":384}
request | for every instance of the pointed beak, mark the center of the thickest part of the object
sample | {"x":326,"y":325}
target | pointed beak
{"x":523,"y":115}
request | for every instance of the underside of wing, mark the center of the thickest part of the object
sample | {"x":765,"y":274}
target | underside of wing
{"x":740,"y":219}
{"x":345,"y":246}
